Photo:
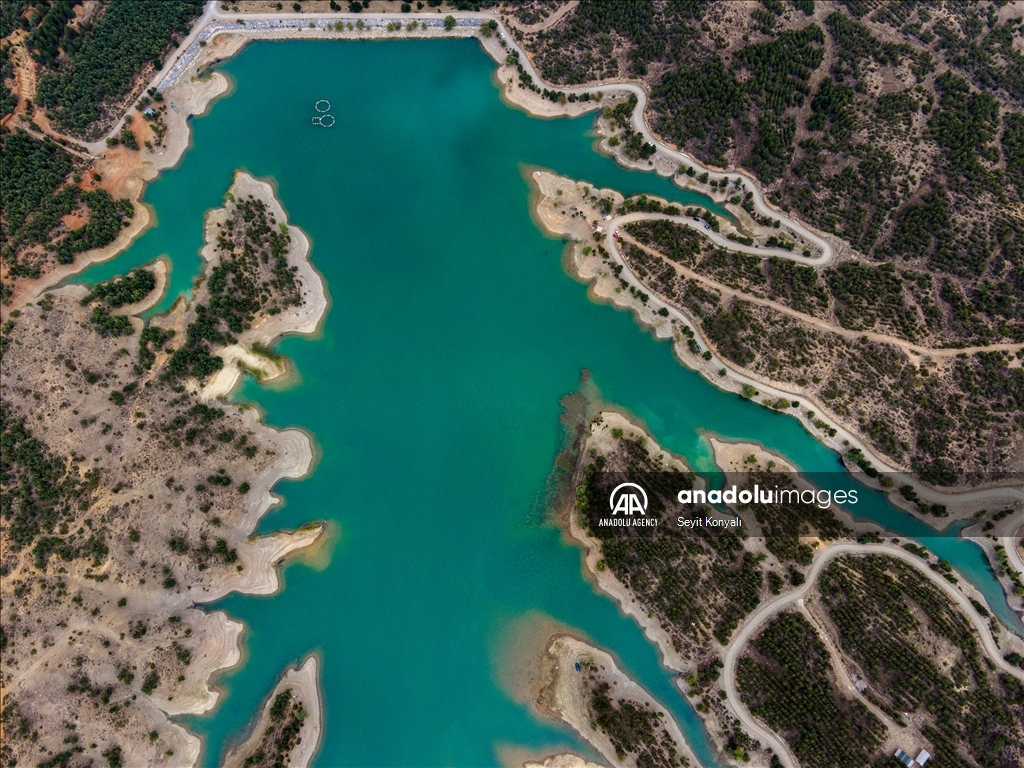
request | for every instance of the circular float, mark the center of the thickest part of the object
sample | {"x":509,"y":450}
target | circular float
{"x":324,"y":119}
{"x":322,"y":101}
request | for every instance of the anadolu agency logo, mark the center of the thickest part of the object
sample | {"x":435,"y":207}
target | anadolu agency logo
{"x":630,"y":501}
{"x":630,"y":506}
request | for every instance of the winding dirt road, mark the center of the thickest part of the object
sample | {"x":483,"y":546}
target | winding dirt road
{"x":717,"y":238}
{"x":639,"y":119}
{"x":657,"y":302}
{"x":823,"y":325}
{"x":766,"y":610}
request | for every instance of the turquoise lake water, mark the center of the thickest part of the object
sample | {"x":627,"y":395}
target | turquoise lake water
{"x":434,"y":393}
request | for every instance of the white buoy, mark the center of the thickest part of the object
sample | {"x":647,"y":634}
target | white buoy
{"x":322,"y":101}
{"x":327,"y":117}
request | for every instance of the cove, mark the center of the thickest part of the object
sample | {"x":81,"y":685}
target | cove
{"x":381,"y":123}
{"x":433,"y":394}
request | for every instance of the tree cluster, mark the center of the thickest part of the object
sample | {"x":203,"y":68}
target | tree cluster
{"x":881,"y":607}
{"x":128,"y":35}
{"x":786,"y":683}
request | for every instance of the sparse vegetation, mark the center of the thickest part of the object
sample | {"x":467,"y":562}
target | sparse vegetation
{"x":112,"y":474}
{"x":906,"y":413}
{"x":286,"y":717}
{"x":908,"y":173}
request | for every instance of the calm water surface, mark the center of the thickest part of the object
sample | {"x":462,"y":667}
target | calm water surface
{"x":434,"y":394}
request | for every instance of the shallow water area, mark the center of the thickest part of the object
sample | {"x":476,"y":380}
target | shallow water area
{"x":434,"y":394}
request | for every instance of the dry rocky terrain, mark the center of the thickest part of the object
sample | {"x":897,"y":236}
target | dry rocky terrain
{"x":130,"y":496}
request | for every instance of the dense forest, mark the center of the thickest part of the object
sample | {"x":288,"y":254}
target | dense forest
{"x":105,"y":60}
{"x":130,"y":289}
{"x":785,"y":682}
{"x":699,"y":583}
{"x":8,"y":99}
{"x":49,"y":31}
{"x":31,"y":171}
{"x":884,"y":610}
{"x":35,"y":198}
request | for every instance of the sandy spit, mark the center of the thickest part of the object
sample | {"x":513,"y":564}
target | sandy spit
{"x":161,"y":269}
{"x":563,"y":698}
{"x":305,"y":685}
{"x":564,"y":760}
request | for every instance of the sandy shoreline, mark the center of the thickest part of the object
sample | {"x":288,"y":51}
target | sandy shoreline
{"x":304,"y":682}
{"x":161,"y":269}
{"x":219,"y":35}
{"x":218,"y":635}
{"x":562,"y":760}
{"x":563,"y":695}
{"x":295,"y":451}
{"x":555,"y":193}
{"x":293,"y":448}
{"x":664,"y":162}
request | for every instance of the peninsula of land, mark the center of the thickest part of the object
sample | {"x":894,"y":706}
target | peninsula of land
{"x":135,"y":406}
{"x":99,"y":604}
{"x":721,"y":632}
{"x":289,"y":725}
